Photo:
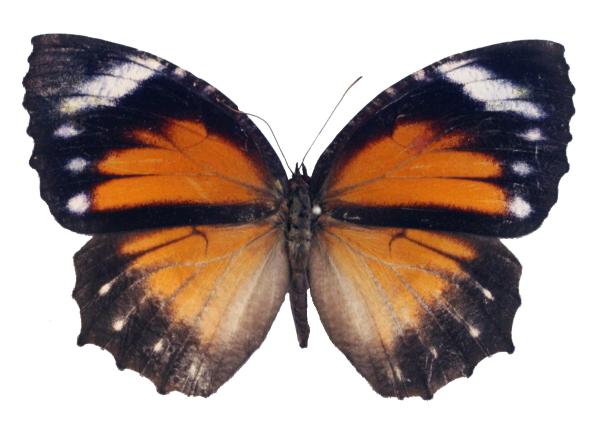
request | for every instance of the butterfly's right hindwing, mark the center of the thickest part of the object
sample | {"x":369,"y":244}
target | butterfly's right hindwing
{"x":412,"y":309}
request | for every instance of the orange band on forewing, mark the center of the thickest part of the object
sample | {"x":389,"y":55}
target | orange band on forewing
{"x":149,"y":161}
{"x":143,"y":191}
{"x":449,"y":164}
{"x":389,"y":154}
{"x":182,"y":163}
{"x":452,"y":193}
{"x":416,"y":167}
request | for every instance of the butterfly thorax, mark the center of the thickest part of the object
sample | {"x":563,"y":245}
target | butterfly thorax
{"x":298,"y":236}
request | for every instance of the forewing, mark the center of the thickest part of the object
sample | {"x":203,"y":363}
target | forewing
{"x":473,"y":143}
{"x":183,"y":306}
{"x":125,"y":140}
{"x":413,"y":309}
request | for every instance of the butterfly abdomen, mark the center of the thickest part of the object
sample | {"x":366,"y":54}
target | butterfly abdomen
{"x":298,"y":235}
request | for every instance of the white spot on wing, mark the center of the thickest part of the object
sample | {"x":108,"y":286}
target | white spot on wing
{"x":520,"y":208}
{"x":316,"y":210}
{"x":534,"y":134}
{"x":148,"y":62}
{"x":486,"y":293}
{"x":79,"y":203}
{"x":391,"y":91}
{"x":105,"y":90}
{"x":118,"y":324}
{"x":527,"y":109}
{"x":420,"y":75}
{"x":474,"y":332}
{"x":179,"y":72}
{"x":494,"y":90}
{"x":67,"y":131}
{"x":481,"y":84}
{"x":158,"y":346}
{"x":104,"y":289}
{"x":208,"y":89}
{"x":398,"y":372}
{"x":78,"y":164}
{"x":452,"y":65}
{"x":521,"y":168}
{"x":468,"y":74}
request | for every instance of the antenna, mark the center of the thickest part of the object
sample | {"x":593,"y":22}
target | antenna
{"x":328,"y":118}
{"x":270,"y":129}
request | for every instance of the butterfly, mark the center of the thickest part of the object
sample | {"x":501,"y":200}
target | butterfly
{"x":199,"y":234}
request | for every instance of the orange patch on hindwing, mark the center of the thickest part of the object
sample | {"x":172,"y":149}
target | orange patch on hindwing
{"x":198,"y":269}
{"x":401,"y":274}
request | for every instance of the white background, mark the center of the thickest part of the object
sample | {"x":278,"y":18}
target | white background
{"x":290,"y":63}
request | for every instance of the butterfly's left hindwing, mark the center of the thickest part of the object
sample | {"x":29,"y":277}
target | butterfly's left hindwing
{"x":183,"y":306}
{"x":125,"y":140}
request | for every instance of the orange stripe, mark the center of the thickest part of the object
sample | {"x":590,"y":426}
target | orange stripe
{"x":389,"y":269}
{"x":447,"y":193}
{"x":134,"y":192}
{"x":387,"y":154}
{"x":443,"y":242}
{"x":151,"y":239}
{"x":203,"y":243}
{"x":185,"y":265}
{"x":448,"y":164}
{"x":149,"y":161}
{"x":182,"y":164}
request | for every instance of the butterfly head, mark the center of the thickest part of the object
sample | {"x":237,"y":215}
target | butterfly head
{"x":300,"y":171}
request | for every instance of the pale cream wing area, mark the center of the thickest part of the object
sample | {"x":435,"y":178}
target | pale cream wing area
{"x":412,"y":309}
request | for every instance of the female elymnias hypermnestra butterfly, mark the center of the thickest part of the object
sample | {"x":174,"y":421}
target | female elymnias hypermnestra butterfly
{"x":198,"y":233}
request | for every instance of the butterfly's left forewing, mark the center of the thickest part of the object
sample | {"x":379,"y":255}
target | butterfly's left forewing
{"x":125,"y":140}
{"x":187,"y":268}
